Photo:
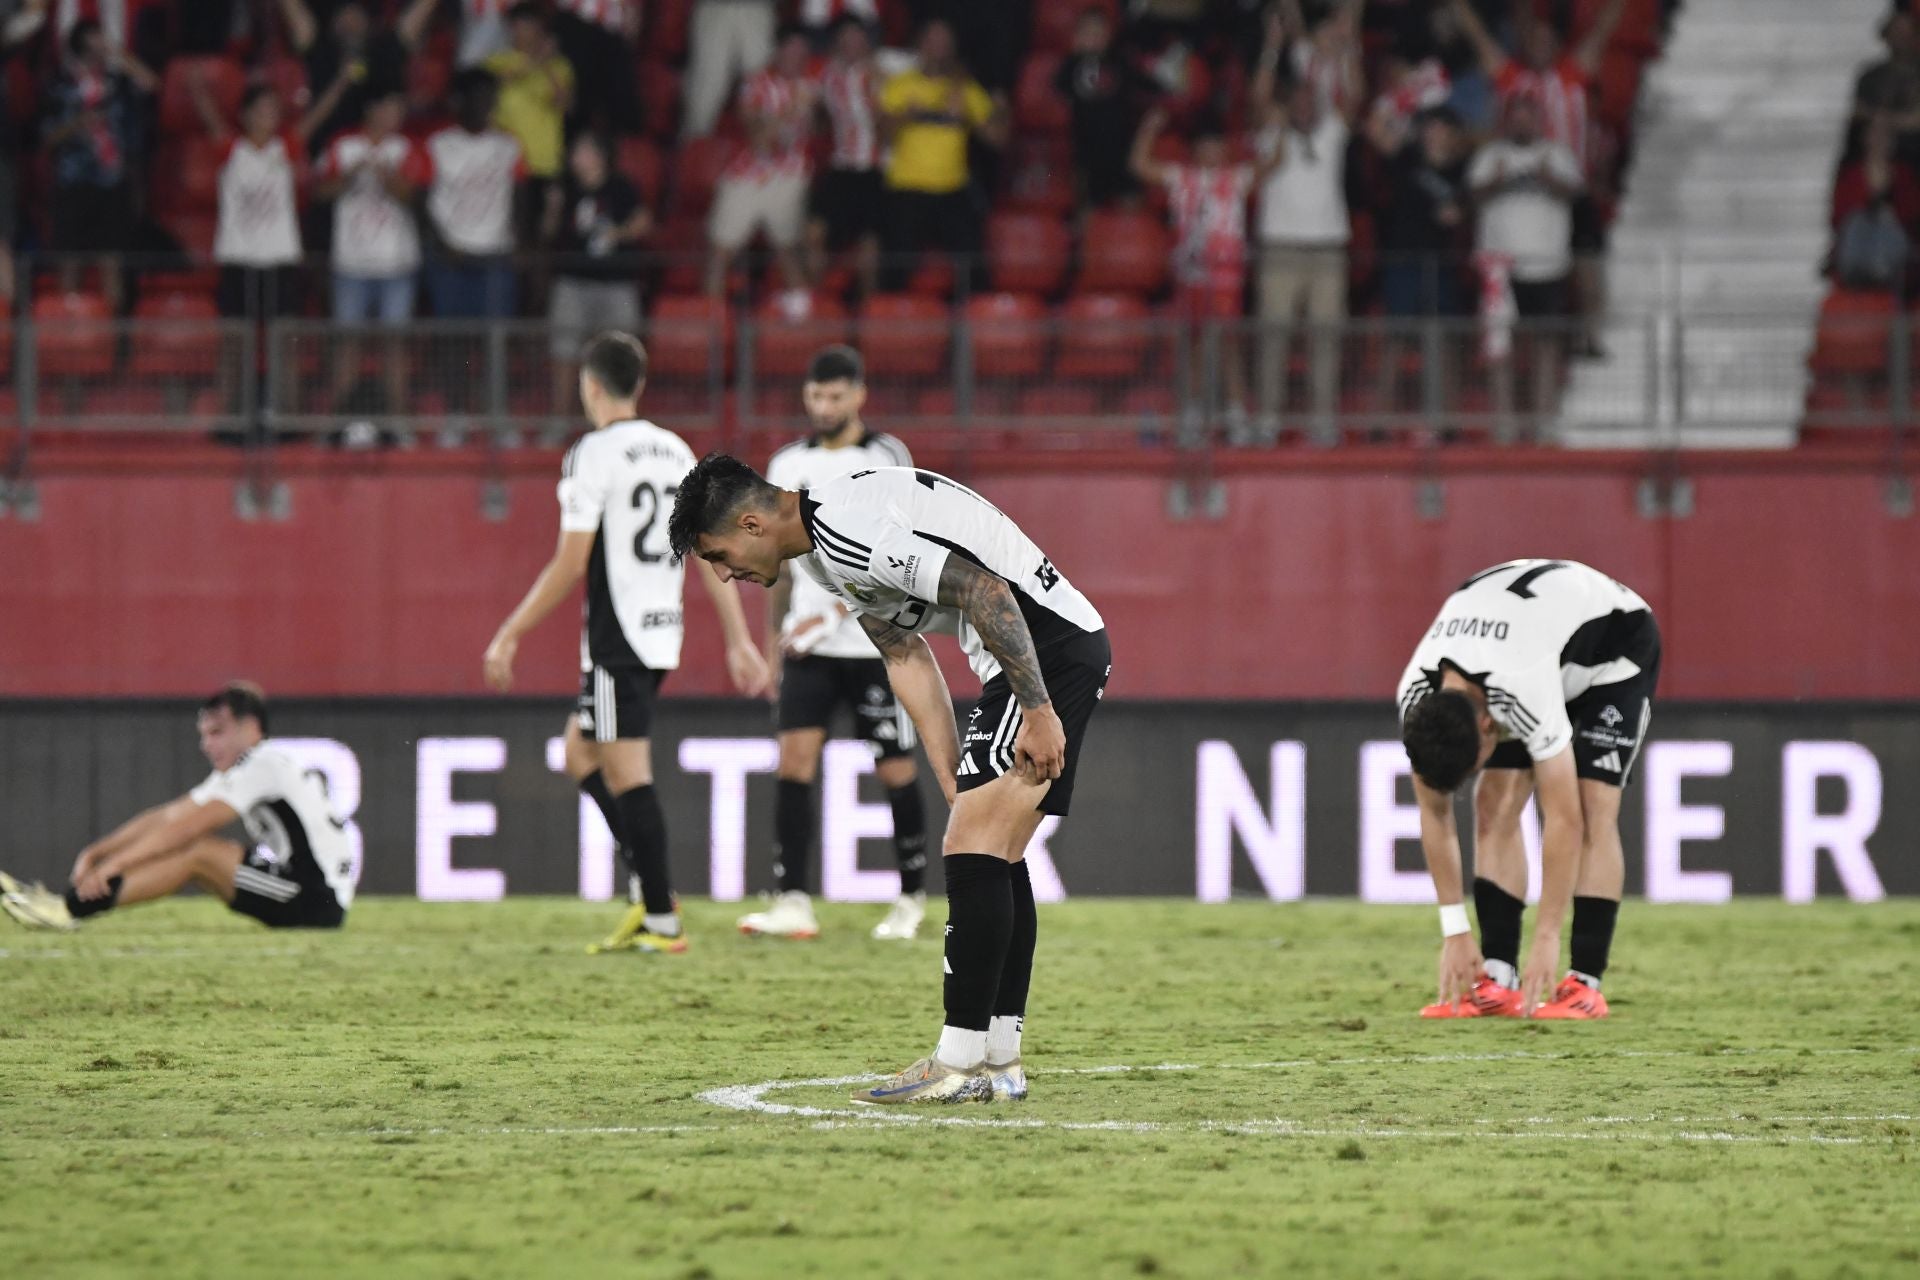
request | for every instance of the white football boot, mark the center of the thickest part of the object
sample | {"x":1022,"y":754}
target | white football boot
{"x":789,"y":916}
{"x":903,"y":919}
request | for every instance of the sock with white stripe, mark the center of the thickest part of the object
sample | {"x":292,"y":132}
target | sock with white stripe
{"x":979,"y":928}
{"x":646,"y":827}
{"x":1010,"y":1003}
{"x":594,"y":787}
{"x":80,"y":908}
{"x":792,"y":833}
{"x":909,"y":836}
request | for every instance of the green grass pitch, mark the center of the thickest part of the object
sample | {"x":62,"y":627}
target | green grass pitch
{"x":453,"y":1090}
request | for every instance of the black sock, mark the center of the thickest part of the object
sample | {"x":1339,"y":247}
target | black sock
{"x":80,"y":908}
{"x":909,"y":836}
{"x":1017,"y":974}
{"x":1499,"y":913}
{"x":594,"y":787}
{"x":647,"y":840}
{"x":1593,"y":935}
{"x":979,"y":926}
{"x":792,"y":833}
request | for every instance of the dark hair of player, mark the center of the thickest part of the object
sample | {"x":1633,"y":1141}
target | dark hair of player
{"x":246,"y":700}
{"x":837,"y":363}
{"x":617,"y":362}
{"x":717,"y":489}
{"x":1442,"y":735}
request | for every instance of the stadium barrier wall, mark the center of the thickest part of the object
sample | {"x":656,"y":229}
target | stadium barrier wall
{"x":463,"y":799}
{"x":1786,"y":580}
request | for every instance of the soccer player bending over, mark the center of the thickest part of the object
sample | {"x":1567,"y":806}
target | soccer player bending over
{"x":909,"y":552}
{"x":1539,"y":676}
{"x":615,"y":488}
{"x":826,"y":662}
{"x":298,"y":873}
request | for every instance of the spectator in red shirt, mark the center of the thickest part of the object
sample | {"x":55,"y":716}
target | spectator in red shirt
{"x":1558,"y":81}
{"x":848,"y":198}
{"x":765,"y":186}
{"x":1207,"y":203}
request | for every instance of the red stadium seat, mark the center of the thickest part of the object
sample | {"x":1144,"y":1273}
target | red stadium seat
{"x":194,"y":230}
{"x":681,"y":333}
{"x":785,"y":344}
{"x":1855,"y":329}
{"x":1027,"y":252}
{"x":287,"y":76}
{"x":73,"y":334}
{"x":1042,"y":176}
{"x":187,"y":177}
{"x":680,"y":248}
{"x":1103,"y":335}
{"x":225,"y":81}
{"x":641,"y":163}
{"x":179,"y":336}
{"x":1010,"y":334}
{"x":934,"y":277}
{"x":668,"y":24}
{"x":1037,"y":106}
{"x":904,"y":335}
{"x":1059,"y":400}
{"x":696,"y":169}
{"x":1123,"y":252}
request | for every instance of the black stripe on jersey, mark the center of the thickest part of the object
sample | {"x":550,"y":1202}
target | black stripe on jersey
{"x":573,"y":454}
{"x":827,"y":540}
{"x":1045,"y":626}
{"x":899,"y":451}
{"x":302,"y":867}
{"x":1417,"y":692}
{"x":1513,"y":709}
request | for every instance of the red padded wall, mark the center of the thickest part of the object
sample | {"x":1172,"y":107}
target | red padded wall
{"x":1788,"y":580}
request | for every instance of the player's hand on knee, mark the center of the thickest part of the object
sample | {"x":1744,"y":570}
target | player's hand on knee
{"x":1460,"y":967}
{"x":1040,"y":748}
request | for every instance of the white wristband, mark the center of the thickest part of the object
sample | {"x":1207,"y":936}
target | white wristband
{"x":1453,"y":919}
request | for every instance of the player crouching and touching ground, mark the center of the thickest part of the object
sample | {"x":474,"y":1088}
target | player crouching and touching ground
{"x":297,"y":874}
{"x":911,"y":551}
{"x":1539,"y":676}
{"x":826,"y":662}
{"x":615,"y":487}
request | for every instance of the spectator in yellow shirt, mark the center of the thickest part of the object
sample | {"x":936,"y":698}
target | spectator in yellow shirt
{"x":928,"y":116}
{"x":536,"y":90}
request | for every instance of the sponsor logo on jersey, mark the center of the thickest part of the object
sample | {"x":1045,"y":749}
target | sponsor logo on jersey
{"x":1610,"y":716}
{"x":659,"y":618}
{"x":909,"y":568}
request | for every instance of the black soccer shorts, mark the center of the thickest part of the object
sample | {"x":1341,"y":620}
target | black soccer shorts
{"x":1076,"y":675}
{"x":285,"y":897}
{"x":616,"y":703}
{"x":813,"y":687}
{"x":1609,"y":720}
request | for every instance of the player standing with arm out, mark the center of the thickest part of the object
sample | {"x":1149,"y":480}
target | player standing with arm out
{"x":616,"y":487}
{"x":911,"y":551}
{"x":827,"y":661}
{"x":1542,"y":674}
{"x":298,"y":872}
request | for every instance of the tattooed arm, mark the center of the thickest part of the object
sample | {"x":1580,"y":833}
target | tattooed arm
{"x":922,"y":690}
{"x":989,"y":605}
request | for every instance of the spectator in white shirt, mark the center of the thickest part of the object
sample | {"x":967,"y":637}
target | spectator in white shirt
{"x":257,"y":239}
{"x":1303,"y":237}
{"x":372,"y":174}
{"x":1525,"y":186}
{"x":474,"y":171}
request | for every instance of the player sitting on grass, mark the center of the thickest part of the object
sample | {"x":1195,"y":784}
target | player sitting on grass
{"x":911,"y":551}
{"x":298,"y":873}
{"x":1541,"y":673}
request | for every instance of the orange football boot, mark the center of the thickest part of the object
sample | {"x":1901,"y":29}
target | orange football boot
{"x":1573,"y":999}
{"x":1488,"y":999}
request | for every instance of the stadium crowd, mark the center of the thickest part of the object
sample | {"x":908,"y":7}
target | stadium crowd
{"x":1290,"y":161}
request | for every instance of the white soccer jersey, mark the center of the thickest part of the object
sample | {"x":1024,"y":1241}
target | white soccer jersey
{"x":1533,"y":633}
{"x":881,"y":538}
{"x":618,"y":484}
{"x":286,"y":812}
{"x":802,"y":465}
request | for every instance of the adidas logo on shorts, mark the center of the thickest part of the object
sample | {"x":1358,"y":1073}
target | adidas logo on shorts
{"x":1610,"y":762}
